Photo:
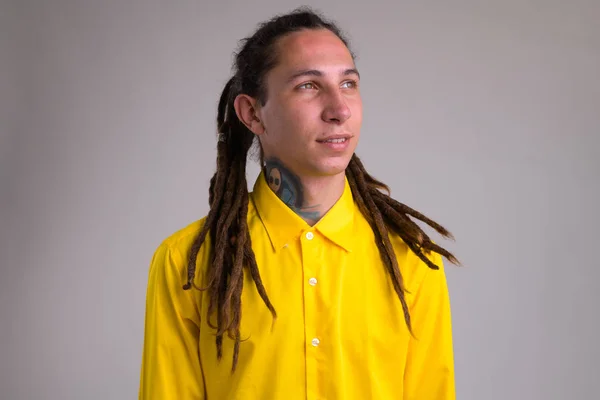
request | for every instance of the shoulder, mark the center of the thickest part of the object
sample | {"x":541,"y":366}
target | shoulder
{"x":180,"y":242}
{"x":183,"y":238}
{"x":172,"y":254}
{"x":413,"y":269}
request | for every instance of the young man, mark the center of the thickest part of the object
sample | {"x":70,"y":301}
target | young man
{"x":317,"y":285}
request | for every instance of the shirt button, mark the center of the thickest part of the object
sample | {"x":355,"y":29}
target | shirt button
{"x":309,"y":235}
{"x":312,"y":281}
{"x":315,"y":342}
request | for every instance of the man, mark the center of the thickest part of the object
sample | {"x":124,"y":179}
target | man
{"x":317,"y":285}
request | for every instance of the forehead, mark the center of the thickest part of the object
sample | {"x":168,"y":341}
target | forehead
{"x":317,"y":49}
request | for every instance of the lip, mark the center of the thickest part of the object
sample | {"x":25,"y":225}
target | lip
{"x":331,"y":137}
{"x":336,"y":148}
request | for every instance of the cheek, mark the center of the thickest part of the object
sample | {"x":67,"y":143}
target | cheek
{"x":307,"y":117}
{"x":295,"y":122}
{"x":301,"y":120}
{"x":274,"y":121}
{"x":356,"y":109}
{"x":280,"y":116}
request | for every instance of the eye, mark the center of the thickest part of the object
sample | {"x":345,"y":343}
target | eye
{"x":307,"y":85}
{"x":350,"y":84}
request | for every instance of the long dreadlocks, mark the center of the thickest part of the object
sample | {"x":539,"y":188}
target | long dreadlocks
{"x":226,"y":221}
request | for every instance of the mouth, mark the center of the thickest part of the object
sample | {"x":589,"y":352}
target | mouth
{"x":336,"y":143}
{"x":341,"y":140}
{"x":335,"y":139}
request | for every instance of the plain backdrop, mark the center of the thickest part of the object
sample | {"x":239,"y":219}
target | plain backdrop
{"x":485,"y":115}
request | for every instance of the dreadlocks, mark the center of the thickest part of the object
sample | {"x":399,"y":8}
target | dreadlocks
{"x":226,"y":221}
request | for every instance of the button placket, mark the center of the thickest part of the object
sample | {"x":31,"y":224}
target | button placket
{"x":311,"y":243}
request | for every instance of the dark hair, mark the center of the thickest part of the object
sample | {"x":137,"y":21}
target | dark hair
{"x":226,"y":221}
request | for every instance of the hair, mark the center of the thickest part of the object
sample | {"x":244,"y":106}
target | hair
{"x":226,"y":222}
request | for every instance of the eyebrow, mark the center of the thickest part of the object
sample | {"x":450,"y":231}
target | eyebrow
{"x":315,"y":72}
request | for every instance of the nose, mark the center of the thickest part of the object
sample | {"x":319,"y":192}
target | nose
{"x":336,"y":109}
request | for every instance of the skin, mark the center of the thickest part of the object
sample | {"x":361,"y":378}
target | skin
{"x":312,"y":94}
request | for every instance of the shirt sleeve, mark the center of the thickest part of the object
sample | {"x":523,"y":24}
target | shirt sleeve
{"x":429,"y":372}
{"x":170,"y":363}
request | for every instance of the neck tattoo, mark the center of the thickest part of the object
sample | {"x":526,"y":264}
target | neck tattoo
{"x":288,"y":187}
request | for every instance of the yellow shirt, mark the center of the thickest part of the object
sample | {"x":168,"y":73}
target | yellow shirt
{"x":340,"y":332}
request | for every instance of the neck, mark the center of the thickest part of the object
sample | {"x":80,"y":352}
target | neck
{"x":309,"y":197}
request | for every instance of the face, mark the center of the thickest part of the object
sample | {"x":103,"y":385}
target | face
{"x":313,"y":113}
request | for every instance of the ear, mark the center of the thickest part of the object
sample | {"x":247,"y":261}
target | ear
{"x":247,"y":110}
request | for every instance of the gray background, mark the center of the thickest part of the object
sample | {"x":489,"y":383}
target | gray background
{"x":483,"y":114}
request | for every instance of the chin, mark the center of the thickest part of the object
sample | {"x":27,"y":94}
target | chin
{"x":333,"y":168}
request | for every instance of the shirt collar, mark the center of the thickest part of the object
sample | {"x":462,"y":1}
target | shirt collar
{"x":283,"y":225}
